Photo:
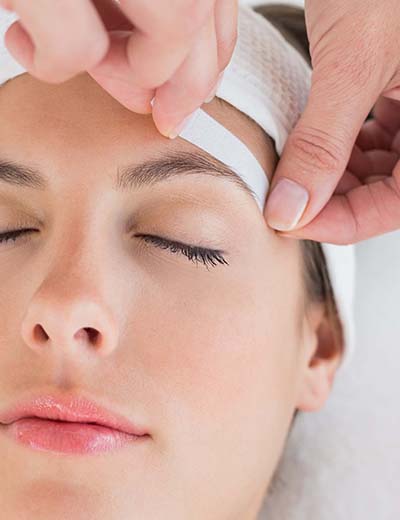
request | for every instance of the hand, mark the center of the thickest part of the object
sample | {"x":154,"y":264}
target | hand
{"x":137,"y":50}
{"x":332,"y":152}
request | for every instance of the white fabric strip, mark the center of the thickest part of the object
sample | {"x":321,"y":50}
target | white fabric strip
{"x":209,"y":135}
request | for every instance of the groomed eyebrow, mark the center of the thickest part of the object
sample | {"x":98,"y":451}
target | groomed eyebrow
{"x":134,"y":176}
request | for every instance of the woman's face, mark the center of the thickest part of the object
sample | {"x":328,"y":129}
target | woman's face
{"x":208,"y":359}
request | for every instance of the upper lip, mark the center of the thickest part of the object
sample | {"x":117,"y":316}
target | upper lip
{"x":70,"y":408}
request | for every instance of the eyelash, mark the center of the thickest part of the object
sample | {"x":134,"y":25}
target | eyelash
{"x":196,"y":254}
{"x":13,"y":235}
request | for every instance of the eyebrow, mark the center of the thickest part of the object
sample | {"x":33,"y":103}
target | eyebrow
{"x":134,"y":176}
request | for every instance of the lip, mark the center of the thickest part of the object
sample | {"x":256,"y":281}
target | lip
{"x":69,"y":424}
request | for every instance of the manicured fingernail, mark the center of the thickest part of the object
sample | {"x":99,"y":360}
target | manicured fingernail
{"x":286,"y":205}
{"x":213,"y":92}
{"x":178,"y":129}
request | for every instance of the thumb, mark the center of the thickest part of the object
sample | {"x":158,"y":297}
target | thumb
{"x":316,"y":153}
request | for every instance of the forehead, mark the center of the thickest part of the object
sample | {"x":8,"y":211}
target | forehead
{"x":75,"y":115}
{"x":79,"y":118}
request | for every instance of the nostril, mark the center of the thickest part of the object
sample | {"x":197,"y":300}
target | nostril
{"x":86,"y":334}
{"x":93,"y":334}
{"x":39,"y":334}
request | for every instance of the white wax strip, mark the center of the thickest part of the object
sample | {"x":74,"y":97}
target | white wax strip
{"x":212,"y":137}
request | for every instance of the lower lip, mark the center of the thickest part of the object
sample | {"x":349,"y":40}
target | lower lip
{"x":69,"y":437}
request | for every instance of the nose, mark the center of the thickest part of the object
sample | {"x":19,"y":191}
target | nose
{"x":72,"y":321}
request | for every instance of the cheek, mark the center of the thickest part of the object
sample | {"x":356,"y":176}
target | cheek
{"x":14,"y":294}
{"x":223,"y":350}
{"x":221,"y":362}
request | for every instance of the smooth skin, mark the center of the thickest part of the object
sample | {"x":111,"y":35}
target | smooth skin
{"x":213,"y":362}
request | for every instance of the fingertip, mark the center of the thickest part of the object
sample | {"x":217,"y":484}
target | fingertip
{"x":168,"y":125}
{"x":172,"y":132}
{"x":20,"y":45}
{"x":286,"y":204}
{"x":160,"y":121}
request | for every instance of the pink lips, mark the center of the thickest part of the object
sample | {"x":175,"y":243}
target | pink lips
{"x":69,"y":425}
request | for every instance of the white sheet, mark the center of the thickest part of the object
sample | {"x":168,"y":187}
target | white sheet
{"x":344,"y":462}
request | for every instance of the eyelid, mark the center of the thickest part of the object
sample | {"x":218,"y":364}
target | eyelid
{"x":193,"y":253}
{"x":15,"y":235}
{"x":196,"y":254}
{"x":178,"y":212}
{"x":181,"y":243}
{"x":21,"y":222}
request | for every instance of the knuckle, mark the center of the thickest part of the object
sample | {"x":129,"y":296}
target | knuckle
{"x":314,"y":150}
{"x":60,"y":62}
{"x":95,"y":50}
{"x":358,"y":71}
{"x":351,"y":70}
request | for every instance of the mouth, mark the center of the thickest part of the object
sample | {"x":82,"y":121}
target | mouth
{"x":71,"y":425}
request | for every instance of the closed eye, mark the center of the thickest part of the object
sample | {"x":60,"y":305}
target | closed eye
{"x":196,"y":254}
{"x":14,"y":235}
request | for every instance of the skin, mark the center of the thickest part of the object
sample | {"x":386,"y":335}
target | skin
{"x":317,"y":193}
{"x":344,"y":201}
{"x":213,"y":362}
{"x":115,"y":42}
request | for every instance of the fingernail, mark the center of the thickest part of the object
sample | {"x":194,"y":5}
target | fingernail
{"x":286,"y":205}
{"x":287,"y":235}
{"x":213,"y":92}
{"x":178,"y":129}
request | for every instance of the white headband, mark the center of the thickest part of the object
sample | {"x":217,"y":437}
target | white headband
{"x":268,"y":80}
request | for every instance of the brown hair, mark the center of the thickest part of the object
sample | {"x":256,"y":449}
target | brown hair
{"x":318,"y":287}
